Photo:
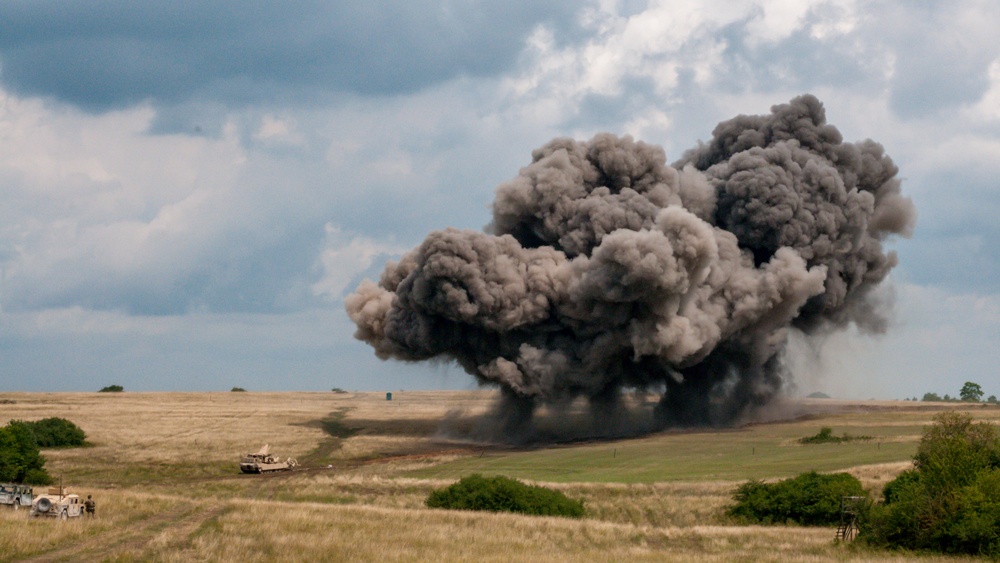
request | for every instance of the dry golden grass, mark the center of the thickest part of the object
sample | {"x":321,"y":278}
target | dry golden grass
{"x":874,"y":477}
{"x":121,"y":516}
{"x":163,"y":467}
{"x":137,"y":526}
{"x":314,"y":533}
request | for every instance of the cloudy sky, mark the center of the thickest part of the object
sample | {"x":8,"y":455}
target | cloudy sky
{"x":188,"y":190}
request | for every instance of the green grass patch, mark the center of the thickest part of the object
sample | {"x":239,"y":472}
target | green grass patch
{"x":105,"y":475}
{"x":757,"y":452}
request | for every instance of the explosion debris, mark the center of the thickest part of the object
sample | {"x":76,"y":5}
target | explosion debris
{"x":606,"y":269}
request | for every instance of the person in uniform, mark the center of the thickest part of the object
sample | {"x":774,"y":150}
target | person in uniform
{"x":89,"y":505}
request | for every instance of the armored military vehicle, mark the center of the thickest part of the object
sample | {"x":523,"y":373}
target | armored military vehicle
{"x":57,"y":504}
{"x":15,"y":495}
{"x":264,"y":462}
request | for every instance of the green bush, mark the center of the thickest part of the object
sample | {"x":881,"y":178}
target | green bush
{"x":56,"y":433}
{"x":950,"y":501}
{"x":503,"y":494}
{"x":897,"y":488}
{"x":238,"y":390}
{"x":20,"y":459}
{"x":112,"y":389}
{"x":37,"y":477}
{"x":810,"y":499}
{"x":825,"y":436}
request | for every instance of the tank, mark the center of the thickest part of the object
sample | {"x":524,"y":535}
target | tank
{"x":264,"y":462}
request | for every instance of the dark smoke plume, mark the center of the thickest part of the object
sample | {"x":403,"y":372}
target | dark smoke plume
{"x":607,"y":269}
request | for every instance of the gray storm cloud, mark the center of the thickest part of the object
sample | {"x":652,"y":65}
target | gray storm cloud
{"x":606,"y":269}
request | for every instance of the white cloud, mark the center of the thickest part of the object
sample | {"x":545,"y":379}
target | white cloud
{"x":655,"y":44}
{"x":988,"y":107}
{"x":777,"y":20}
{"x":105,"y":164}
{"x":92,"y":197}
{"x":839,"y":18}
{"x":278,"y":130}
{"x":343,"y":258}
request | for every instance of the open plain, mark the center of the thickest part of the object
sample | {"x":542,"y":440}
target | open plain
{"x":163,"y":468}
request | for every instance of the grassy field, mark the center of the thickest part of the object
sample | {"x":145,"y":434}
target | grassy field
{"x":164,"y":470}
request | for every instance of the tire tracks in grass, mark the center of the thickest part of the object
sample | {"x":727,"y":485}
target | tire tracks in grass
{"x":183,"y":530}
{"x":132,"y":541}
{"x":336,"y":432}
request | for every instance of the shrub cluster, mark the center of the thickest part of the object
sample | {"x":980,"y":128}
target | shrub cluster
{"x":950,"y":501}
{"x":825,"y":436}
{"x":56,"y":433}
{"x":503,"y":494}
{"x":111,"y":389}
{"x":810,"y":499}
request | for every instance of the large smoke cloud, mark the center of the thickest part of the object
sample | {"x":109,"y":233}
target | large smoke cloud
{"x":605,"y":268}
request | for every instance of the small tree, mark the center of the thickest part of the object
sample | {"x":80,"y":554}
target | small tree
{"x":931,"y":397}
{"x":992,"y":399}
{"x":948,"y":501}
{"x":112,"y":389}
{"x":971,"y":392}
{"x":20,"y":459}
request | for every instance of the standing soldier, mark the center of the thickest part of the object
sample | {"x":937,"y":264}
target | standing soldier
{"x":90,"y":505}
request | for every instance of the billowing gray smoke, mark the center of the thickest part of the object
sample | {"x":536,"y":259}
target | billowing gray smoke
{"x":606,"y":269}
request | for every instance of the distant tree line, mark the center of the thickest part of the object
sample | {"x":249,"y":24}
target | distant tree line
{"x":970,"y":393}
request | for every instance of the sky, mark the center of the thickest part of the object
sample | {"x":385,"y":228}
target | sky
{"x":188,"y":190}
